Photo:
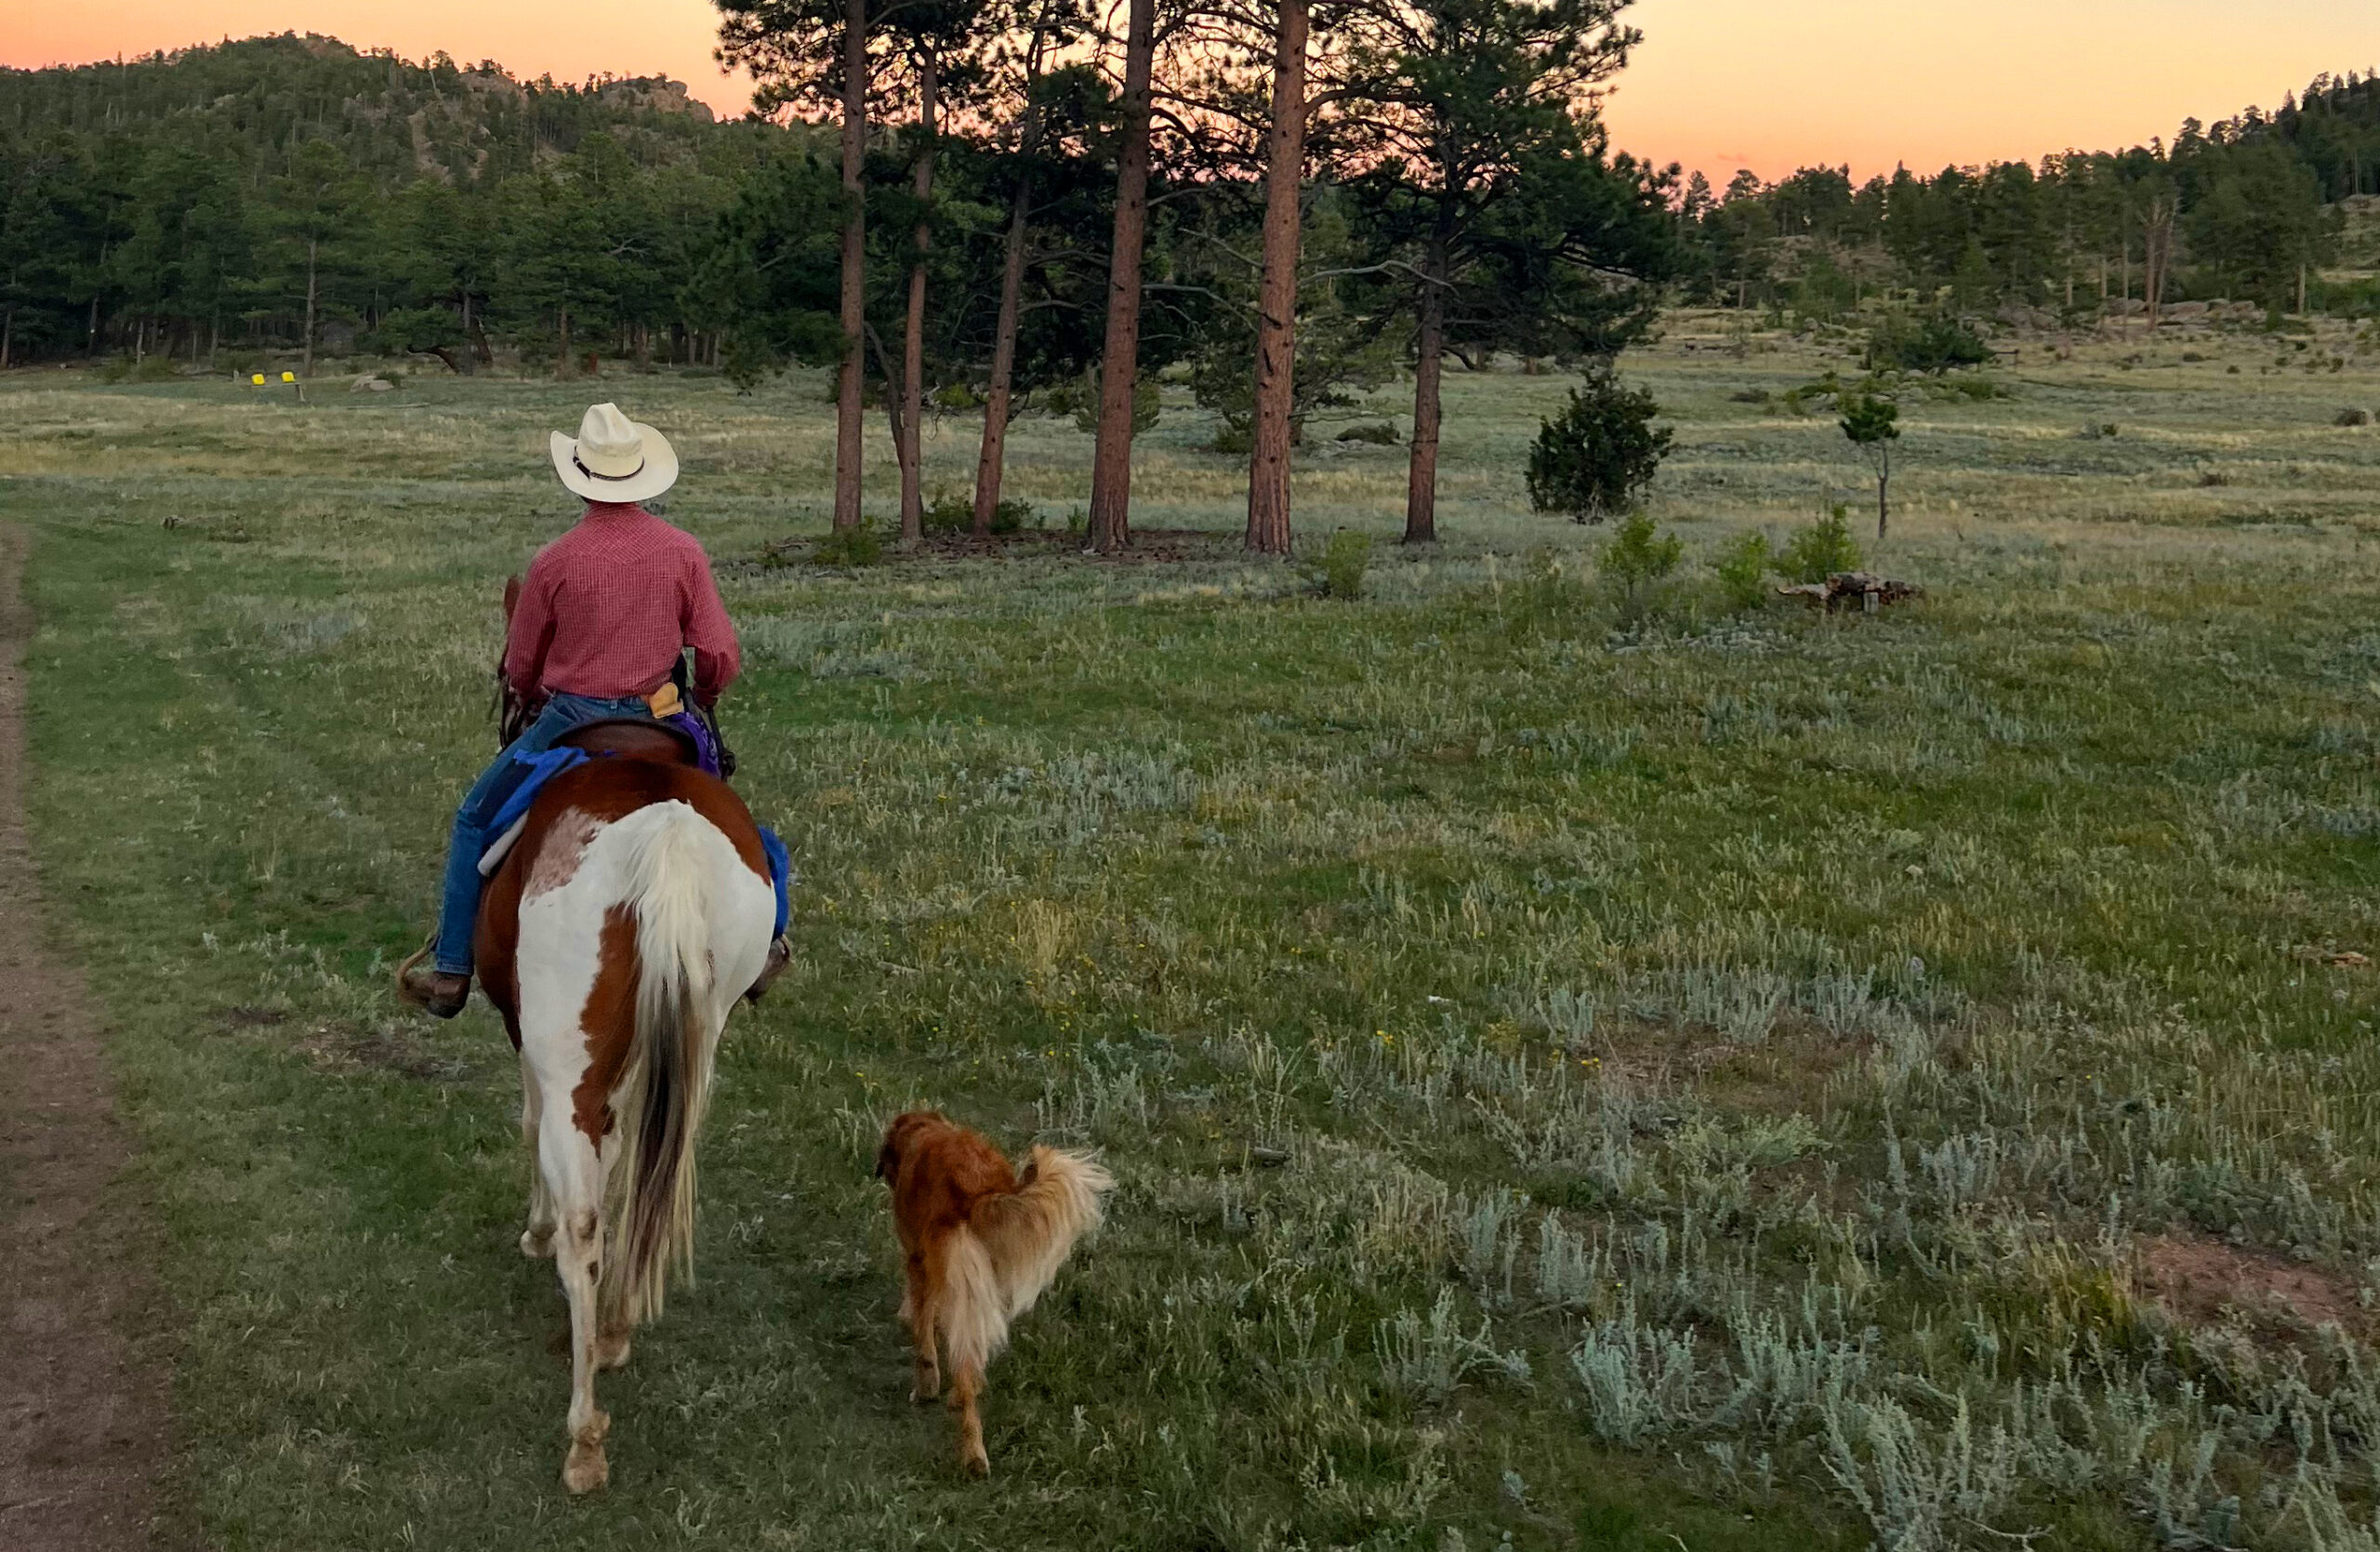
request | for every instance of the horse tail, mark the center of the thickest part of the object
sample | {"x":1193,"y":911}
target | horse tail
{"x":666,"y":1082}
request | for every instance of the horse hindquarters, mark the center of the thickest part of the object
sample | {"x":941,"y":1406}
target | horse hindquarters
{"x":619,"y":970}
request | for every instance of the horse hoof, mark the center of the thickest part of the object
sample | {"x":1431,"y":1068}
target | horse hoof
{"x":537,"y":1245}
{"x":585,"y":1470}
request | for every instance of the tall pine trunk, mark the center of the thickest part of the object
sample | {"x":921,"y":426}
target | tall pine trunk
{"x":994,"y":452}
{"x":1111,"y":465}
{"x":1276,"y":306}
{"x":992,"y":456}
{"x":313,"y":246}
{"x":848,"y":430}
{"x":1430,"y":345}
{"x":913,"y":344}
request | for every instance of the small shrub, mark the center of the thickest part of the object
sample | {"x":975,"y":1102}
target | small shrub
{"x":123,"y":368}
{"x":1338,"y":572}
{"x":1638,"y":558}
{"x":1821,"y":550}
{"x":1933,"y":346}
{"x":2098,"y":430}
{"x":1742,"y":571}
{"x":957,"y":396}
{"x":854,"y":547}
{"x":952,"y":510}
{"x":2352,"y":417}
{"x":1599,"y":454}
{"x":1749,"y":396}
{"x":1380,"y":433}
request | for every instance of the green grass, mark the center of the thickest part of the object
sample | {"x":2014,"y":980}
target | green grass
{"x":1712,"y":1057}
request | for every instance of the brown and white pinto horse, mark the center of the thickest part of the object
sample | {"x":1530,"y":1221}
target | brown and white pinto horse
{"x":632,"y":910}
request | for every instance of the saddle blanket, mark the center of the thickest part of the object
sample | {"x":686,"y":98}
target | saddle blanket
{"x":507,"y":824}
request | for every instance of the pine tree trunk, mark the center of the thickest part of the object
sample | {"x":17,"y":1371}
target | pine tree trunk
{"x":1111,"y":465}
{"x":7,"y":336}
{"x":1883,"y":490}
{"x":991,"y":457}
{"x":1422,"y":470}
{"x":913,"y":345}
{"x":313,"y":246}
{"x":562,"y":347}
{"x":848,"y":430}
{"x":1276,"y":307}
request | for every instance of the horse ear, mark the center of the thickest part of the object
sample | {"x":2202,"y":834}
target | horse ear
{"x":511,"y":596}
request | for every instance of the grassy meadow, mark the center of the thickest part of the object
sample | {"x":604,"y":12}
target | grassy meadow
{"x":1702,"y":1081}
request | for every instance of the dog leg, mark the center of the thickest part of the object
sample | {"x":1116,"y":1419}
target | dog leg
{"x":917,"y":1310}
{"x":966,"y":1383}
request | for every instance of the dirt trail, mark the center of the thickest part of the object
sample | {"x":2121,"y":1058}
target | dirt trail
{"x":82,"y":1420}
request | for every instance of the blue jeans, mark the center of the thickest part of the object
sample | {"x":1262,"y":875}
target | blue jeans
{"x":458,"y":914}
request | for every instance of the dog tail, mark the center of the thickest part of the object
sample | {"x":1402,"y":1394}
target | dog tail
{"x":1013,"y":1246}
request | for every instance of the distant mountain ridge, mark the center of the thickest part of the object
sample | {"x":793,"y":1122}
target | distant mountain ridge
{"x":394,"y":119}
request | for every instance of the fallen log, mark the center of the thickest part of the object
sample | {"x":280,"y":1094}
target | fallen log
{"x":1848,"y":589}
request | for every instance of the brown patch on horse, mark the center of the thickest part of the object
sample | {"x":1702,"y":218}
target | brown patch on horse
{"x":559,"y":852}
{"x":609,"y":1022}
{"x":597,"y":793}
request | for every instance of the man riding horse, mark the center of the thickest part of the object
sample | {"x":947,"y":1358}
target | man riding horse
{"x":598,"y":632}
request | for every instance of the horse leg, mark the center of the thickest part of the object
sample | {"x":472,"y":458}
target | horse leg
{"x":574,"y":1172}
{"x":918,"y":1313}
{"x":537,"y":1240}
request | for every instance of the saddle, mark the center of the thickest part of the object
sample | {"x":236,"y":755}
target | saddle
{"x":634,"y":738}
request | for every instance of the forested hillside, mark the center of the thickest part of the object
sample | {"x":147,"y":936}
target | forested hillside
{"x":224,"y":196}
{"x":292,"y":194}
{"x":2250,"y":209}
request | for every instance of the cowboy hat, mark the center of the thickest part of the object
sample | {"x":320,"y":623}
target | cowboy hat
{"x":614,"y":458}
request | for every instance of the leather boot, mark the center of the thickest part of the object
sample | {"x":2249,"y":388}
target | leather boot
{"x":437,"y":992}
{"x":780,"y":954}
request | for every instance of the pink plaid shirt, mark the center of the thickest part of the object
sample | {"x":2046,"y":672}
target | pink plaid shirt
{"x":607,"y":607}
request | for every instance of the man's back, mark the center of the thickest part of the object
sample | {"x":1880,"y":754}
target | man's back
{"x":607,"y":606}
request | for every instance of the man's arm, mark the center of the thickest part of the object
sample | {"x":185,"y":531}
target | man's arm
{"x":531,"y":632}
{"x":718,"y":657}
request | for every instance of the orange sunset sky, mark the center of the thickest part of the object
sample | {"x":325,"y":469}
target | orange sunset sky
{"x":1718,"y":83}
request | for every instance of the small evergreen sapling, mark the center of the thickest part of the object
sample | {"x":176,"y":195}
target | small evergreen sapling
{"x":1871,"y":421}
{"x":1339,"y":571}
{"x":1742,"y":571}
{"x":1599,"y":454}
{"x":1637,"y":559}
{"x":1821,"y":550}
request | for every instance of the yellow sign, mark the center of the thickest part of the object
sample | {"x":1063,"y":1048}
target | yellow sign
{"x":258,"y":380}
{"x":288,"y":376}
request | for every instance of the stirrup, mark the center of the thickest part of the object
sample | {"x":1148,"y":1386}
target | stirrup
{"x":405,"y":992}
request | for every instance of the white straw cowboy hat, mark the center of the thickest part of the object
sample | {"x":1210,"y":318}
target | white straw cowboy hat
{"x":614,"y":458}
